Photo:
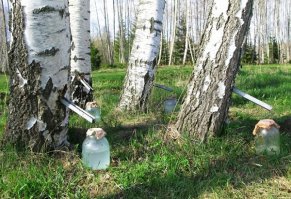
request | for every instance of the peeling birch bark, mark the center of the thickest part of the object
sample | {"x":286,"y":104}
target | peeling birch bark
{"x":80,"y":51}
{"x":143,"y":59}
{"x":207,"y":100}
{"x":39,"y":75}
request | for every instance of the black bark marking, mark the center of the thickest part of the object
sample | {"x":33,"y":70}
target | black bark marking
{"x":62,"y":12}
{"x":220,"y":21}
{"x":65,"y":68}
{"x":145,"y":93}
{"x":62,"y":30}
{"x":45,"y":9}
{"x":49,"y":52}
{"x":48,"y":89}
{"x":154,"y":62}
{"x":152,"y":28}
{"x":73,"y":46}
{"x":77,"y":58}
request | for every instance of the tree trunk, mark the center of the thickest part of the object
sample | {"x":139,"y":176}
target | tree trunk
{"x":143,"y":59}
{"x":3,"y":40}
{"x":103,"y":51}
{"x":207,"y":101}
{"x":191,"y":52}
{"x":161,"y":49}
{"x":80,"y":51}
{"x":106,"y":26}
{"x":173,"y":35}
{"x":121,"y":34}
{"x":39,"y":75}
{"x":187,"y":34}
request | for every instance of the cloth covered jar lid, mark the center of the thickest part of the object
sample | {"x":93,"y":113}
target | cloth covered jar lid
{"x":90,"y":105}
{"x":97,"y":132}
{"x":265,"y":124}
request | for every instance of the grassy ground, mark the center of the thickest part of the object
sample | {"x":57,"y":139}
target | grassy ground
{"x":144,"y":164}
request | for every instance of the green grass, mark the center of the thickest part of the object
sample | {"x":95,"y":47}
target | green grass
{"x":144,"y":164}
{"x":3,"y":100}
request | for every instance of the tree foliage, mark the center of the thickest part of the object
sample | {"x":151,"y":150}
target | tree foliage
{"x":95,"y":57}
{"x":249,"y":55}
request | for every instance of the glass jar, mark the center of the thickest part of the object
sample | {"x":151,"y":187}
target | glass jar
{"x":93,"y":109}
{"x":95,"y":149}
{"x":267,"y":140}
{"x":169,"y":105}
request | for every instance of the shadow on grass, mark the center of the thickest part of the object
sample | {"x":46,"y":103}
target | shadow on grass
{"x":221,"y":174}
{"x":234,"y":169}
{"x":120,"y":135}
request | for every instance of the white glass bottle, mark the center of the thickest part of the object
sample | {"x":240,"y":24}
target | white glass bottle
{"x":95,"y":149}
{"x":267,"y":140}
{"x":170,"y":104}
{"x":93,"y":109}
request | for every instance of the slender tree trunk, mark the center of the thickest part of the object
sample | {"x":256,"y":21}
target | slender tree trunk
{"x":161,"y":49}
{"x":121,"y":34}
{"x":187,"y":33}
{"x":191,"y":52}
{"x":103,"y":43}
{"x":289,"y":35}
{"x":106,"y":24}
{"x":128,"y":28}
{"x":173,"y":35}
{"x":207,"y":101}
{"x":113,"y":43}
{"x":3,"y":40}
{"x":143,"y":59}
{"x":39,"y":74}
{"x":80,"y":51}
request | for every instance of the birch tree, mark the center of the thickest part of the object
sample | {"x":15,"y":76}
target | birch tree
{"x":173,"y":35}
{"x":3,"y":40}
{"x":187,"y":32}
{"x":80,"y":51}
{"x":39,"y":74}
{"x":107,"y":32}
{"x":207,"y":100}
{"x":143,"y":59}
{"x":121,"y":33}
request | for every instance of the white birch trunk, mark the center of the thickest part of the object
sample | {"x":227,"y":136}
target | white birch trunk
{"x":80,"y":30}
{"x":80,"y":51}
{"x":187,"y":33}
{"x":121,"y":33}
{"x":207,"y":99}
{"x":143,"y":59}
{"x":191,"y":52}
{"x":173,"y":35}
{"x":3,"y":41}
{"x":161,"y":49}
{"x":106,"y":26}
{"x":39,"y":74}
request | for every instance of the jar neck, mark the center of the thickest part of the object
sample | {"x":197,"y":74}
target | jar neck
{"x":93,"y":137}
